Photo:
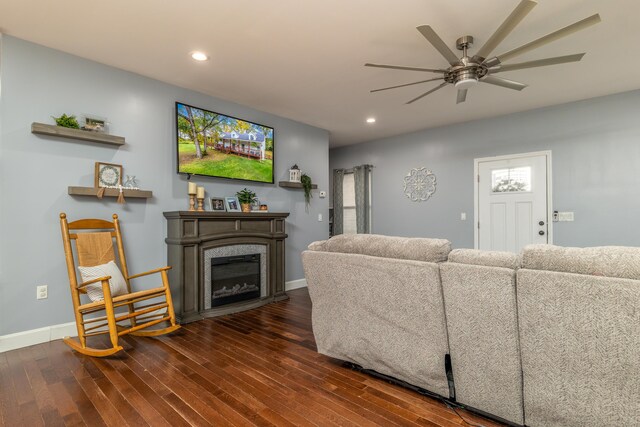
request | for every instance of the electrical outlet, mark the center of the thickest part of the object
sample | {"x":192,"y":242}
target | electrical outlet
{"x":320,"y":217}
{"x":463,"y":216}
{"x":323,"y":194}
{"x":41,"y":292}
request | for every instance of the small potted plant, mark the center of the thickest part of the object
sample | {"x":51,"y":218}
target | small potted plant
{"x":67,"y":121}
{"x":246,"y":197}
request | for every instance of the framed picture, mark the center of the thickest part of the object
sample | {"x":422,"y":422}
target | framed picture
{"x":255,"y":206}
{"x":232,"y":204}
{"x":217,"y":204}
{"x":95,"y":123}
{"x":107,"y":175}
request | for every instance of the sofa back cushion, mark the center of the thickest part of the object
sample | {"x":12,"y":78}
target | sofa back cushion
{"x":580,"y":335}
{"x":383,"y":314}
{"x":608,"y":261}
{"x":480,"y":303}
{"x":411,"y":248}
{"x":485,"y":258}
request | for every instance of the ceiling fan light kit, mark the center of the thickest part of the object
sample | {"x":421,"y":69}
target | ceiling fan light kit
{"x":465,"y":72}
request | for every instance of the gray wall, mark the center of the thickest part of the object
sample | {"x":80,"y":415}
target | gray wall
{"x":595,"y":148}
{"x":38,"y":82}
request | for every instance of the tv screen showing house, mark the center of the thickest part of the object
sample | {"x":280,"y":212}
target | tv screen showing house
{"x":212,"y":144}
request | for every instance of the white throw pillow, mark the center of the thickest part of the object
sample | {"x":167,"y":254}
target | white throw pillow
{"x":117,"y":284}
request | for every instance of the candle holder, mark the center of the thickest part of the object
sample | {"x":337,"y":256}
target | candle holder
{"x":201,"y":204}
{"x":192,"y":202}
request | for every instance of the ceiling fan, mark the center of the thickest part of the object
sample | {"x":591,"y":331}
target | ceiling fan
{"x":466,"y":72}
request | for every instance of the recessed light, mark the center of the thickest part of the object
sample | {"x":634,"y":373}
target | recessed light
{"x":199,"y":56}
{"x":371,"y":120}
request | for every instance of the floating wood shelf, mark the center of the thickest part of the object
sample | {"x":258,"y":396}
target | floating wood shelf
{"x":83,"y":135}
{"x":110,"y":192}
{"x":288,"y":184}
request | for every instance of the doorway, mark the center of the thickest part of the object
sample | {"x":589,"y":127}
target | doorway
{"x":512,"y":201}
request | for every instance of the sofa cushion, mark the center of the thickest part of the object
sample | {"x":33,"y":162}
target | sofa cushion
{"x":609,"y":261}
{"x":580,"y":341}
{"x":482,"y":325}
{"x":380,"y":313}
{"x":485,"y":258}
{"x":411,"y":248}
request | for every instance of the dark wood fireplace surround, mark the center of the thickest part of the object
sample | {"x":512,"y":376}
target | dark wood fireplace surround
{"x":190,"y":234}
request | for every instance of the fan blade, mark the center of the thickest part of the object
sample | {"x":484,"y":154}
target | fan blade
{"x":563,"y":32}
{"x":406,"y":84}
{"x":437,"y":42}
{"x":428,"y":92}
{"x":399,"y":67}
{"x":498,"y":81}
{"x":462,"y":96}
{"x":518,"y":14}
{"x":539,"y":63}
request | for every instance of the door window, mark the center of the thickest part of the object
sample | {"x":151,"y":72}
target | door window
{"x":511,"y":180}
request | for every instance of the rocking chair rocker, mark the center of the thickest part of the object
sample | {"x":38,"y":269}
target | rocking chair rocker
{"x":94,"y":249}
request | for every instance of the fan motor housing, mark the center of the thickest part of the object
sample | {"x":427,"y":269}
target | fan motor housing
{"x":464,"y":42}
{"x":466,"y":78}
{"x":467,"y":70}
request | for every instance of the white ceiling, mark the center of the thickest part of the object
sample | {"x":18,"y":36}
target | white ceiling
{"x":303,"y":59}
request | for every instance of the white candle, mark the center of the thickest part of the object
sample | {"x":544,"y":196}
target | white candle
{"x":192,"y":188}
{"x":200,"y":193}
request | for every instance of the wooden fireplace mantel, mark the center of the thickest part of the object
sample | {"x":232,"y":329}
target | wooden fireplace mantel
{"x":191,"y":233}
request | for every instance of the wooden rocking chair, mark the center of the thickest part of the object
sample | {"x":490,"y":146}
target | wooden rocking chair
{"x":96,"y":248}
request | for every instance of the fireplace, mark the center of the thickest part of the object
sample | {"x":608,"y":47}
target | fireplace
{"x":235,"y":278}
{"x":195,"y":238}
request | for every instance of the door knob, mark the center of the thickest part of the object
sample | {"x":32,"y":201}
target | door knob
{"x":541,"y":223}
{"x":541,"y":233}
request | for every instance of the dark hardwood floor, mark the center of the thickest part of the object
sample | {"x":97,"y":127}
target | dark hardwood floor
{"x":259,"y":367}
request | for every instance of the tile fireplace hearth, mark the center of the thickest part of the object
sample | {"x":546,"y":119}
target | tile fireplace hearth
{"x":224,"y":262}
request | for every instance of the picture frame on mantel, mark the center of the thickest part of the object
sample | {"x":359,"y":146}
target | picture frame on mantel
{"x":232,"y":204}
{"x":217,"y":204}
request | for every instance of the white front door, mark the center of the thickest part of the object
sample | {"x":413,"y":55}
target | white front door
{"x":513,"y":197}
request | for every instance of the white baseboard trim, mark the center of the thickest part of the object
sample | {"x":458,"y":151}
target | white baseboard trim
{"x":37,"y":336}
{"x":295,"y":284}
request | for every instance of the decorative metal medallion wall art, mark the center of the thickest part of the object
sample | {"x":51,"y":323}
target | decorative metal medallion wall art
{"x":419,"y":184}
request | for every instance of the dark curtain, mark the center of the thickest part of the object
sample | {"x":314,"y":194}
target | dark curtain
{"x":361,"y":178}
{"x":338,"y":214}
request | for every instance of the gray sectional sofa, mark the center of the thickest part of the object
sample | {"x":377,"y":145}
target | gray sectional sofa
{"x":547,"y":338}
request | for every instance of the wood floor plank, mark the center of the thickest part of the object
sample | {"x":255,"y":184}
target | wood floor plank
{"x":152,"y":390}
{"x":326,"y":398}
{"x":31,"y":360}
{"x":21,"y":387}
{"x":9,"y":414}
{"x":207,"y":404}
{"x":313,"y":408}
{"x":260,"y":367}
{"x":111,"y":415}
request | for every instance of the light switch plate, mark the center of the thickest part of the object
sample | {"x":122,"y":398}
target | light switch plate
{"x":565,"y":216}
{"x":463,"y":216}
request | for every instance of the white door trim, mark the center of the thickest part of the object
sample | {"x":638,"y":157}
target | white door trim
{"x":476,"y":206}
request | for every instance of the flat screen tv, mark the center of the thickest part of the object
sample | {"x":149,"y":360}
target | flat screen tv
{"x":212,"y":144}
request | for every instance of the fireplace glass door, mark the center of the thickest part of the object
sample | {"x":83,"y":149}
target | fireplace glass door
{"x":235,"y":278}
